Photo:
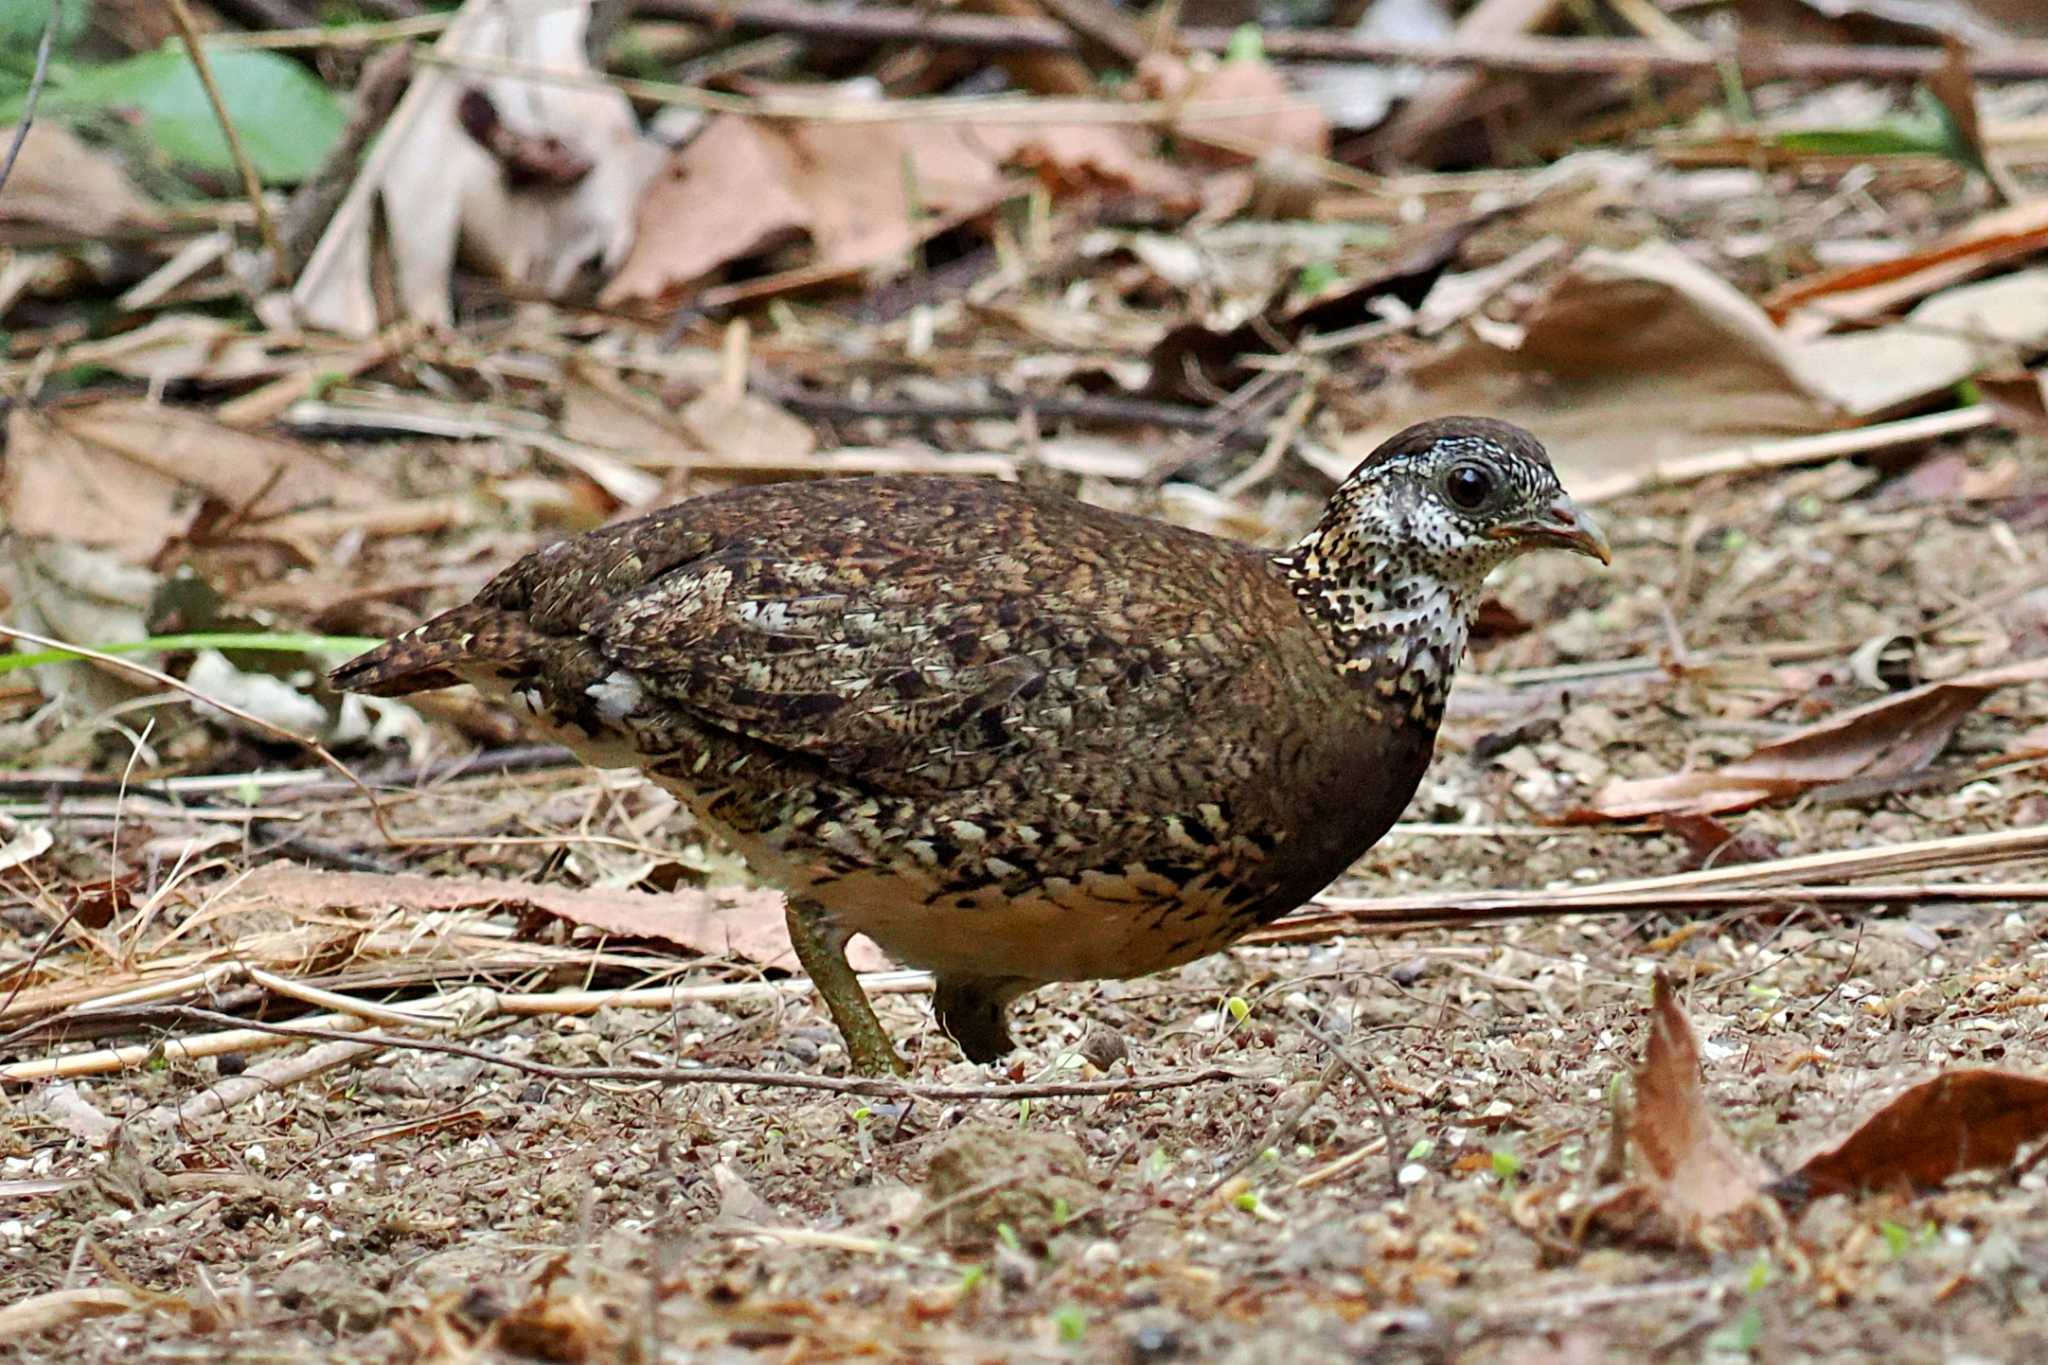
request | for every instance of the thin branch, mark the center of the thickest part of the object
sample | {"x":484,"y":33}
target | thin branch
{"x":1525,"y":53}
{"x":872,"y":1087}
{"x":1372,"y":1090}
{"x":35,"y":90}
{"x":252,"y":185}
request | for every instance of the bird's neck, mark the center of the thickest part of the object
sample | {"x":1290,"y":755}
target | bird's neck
{"x":1398,"y":629}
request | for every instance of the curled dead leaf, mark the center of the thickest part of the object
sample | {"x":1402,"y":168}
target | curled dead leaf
{"x":1693,"y":1168}
{"x":1685,"y":1179}
{"x":1885,"y":738}
{"x":1959,"y":1121}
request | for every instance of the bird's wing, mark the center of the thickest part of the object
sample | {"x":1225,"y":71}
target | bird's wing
{"x":914,"y":639}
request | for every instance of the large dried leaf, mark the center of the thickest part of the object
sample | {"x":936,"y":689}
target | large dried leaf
{"x":1253,"y":109}
{"x":1945,"y":340}
{"x":1887,"y":737}
{"x":737,"y":922}
{"x":441,"y":189}
{"x":1643,"y":358}
{"x":1961,"y":1121}
{"x":1689,"y":1165}
{"x":862,"y":194}
{"x":1632,"y":359}
{"x":127,"y":475}
{"x":721,"y":198}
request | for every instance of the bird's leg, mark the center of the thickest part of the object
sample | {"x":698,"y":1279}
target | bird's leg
{"x":970,"y":1010}
{"x":821,"y":947}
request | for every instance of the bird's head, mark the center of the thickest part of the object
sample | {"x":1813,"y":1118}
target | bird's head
{"x":1395,"y":564}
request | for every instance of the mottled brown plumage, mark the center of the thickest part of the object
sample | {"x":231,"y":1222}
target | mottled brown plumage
{"x":1011,"y":737}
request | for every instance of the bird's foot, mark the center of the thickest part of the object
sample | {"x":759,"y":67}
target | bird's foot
{"x":821,"y":948}
{"x":971,"y":1012}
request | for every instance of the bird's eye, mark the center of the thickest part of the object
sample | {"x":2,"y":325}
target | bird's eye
{"x":1468,"y":486}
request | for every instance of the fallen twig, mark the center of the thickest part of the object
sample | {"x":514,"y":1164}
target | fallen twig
{"x":252,"y":184}
{"x":35,"y":91}
{"x":1532,"y":54}
{"x":1807,"y":877}
{"x":873,"y":1087}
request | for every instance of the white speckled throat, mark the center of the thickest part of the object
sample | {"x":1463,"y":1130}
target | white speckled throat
{"x":1396,"y":582}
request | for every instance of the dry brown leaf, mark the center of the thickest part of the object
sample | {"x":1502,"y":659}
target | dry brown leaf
{"x":721,"y":198}
{"x":1672,"y":1128}
{"x":736,"y":922}
{"x":1896,"y":734}
{"x":1864,"y":291}
{"x":1084,"y":158}
{"x":863,"y":194}
{"x":1943,"y":341}
{"x":127,"y":475}
{"x":1690,"y":1166}
{"x":1960,"y":1121}
{"x":1633,"y":359}
{"x":745,"y":426}
{"x":1276,"y":117}
{"x":600,"y":410}
{"x":60,"y":183}
{"x":440,"y":189}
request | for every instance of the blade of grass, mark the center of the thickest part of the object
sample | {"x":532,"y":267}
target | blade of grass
{"x":288,"y":644}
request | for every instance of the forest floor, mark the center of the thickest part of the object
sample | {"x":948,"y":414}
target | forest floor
{"x":1388,"y":1167}
{"x":472,"y":1054}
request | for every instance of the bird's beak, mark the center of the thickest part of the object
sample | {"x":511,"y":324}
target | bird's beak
{"x":1560,"y":526}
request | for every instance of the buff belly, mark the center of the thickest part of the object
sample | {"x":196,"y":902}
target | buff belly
{"x":1100,"y":925}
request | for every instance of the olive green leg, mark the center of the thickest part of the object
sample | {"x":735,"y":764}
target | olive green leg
{"x":821,"y":947}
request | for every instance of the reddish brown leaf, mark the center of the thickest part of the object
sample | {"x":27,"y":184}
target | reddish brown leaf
{"x":1709,"y":843}
{"x":727,"y":921}
{"x":1959,"y":1121}
{"x":1269,"y":115}
{"x":1863,"y":291}
{"x":528,"y":158}
{"x":1690,"y":1166}
{"x":1887,"y":737}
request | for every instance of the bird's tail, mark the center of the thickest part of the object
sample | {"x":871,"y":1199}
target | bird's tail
{"x":428,"y":655}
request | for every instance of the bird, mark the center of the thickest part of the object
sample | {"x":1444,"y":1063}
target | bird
{"x":1011,"y":737}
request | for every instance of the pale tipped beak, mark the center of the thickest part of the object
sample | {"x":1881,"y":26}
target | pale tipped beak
{"x":1560,"y":526}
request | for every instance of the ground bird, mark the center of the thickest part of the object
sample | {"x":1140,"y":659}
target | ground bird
{"x":1011,"y":737}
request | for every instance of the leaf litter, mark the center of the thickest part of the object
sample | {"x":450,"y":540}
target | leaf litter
{"x":1767,"y":403}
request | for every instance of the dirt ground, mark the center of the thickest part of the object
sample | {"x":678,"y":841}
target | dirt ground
{"x":425,"y":1206}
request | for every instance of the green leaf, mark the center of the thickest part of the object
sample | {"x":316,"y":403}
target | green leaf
{"x":286,"y":118}
{"x":1317,"y":276}
{"x":290,"y":644}
{"x":1741,"y":1336}
{"x":1929,"y":131}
